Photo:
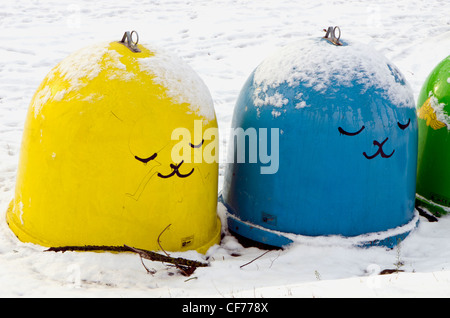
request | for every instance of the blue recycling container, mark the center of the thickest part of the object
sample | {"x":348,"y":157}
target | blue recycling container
{"x":323,"y":142}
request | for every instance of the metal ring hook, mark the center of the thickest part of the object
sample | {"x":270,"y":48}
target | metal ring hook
{"x":134,"y":43}
{"x":334,"y":33}
{"x":331,"y":35}
{"x":127,"y":40}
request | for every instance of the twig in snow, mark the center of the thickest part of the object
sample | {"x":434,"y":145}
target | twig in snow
{"x":146,"y":268}
{"x":159,"y":241}
{"x":187,"y":266}
{"x":255,"y":259}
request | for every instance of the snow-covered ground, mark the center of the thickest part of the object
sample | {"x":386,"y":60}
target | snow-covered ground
{"x":223,"y":41}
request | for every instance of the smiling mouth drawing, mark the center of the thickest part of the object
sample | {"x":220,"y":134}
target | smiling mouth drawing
{"x":175,"y":171}
{"x":150,"y":174}
{"x":175,"y":168}
{"x":379,"y":151}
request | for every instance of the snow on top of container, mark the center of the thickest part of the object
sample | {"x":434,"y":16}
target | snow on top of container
{"x":77,"y":70}
{"x":182,"y":83}
{"x":318,"y":64}
{"x":84,"y":63}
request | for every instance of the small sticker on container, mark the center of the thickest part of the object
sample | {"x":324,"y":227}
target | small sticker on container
{"x":187,"y":241}
{"x":269,"y":218}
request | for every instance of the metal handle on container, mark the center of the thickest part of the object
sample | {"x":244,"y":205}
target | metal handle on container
{"x":331,"y":35}
{"x":127,"y":40}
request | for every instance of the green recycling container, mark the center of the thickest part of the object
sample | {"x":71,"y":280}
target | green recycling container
{"x":433,"y":166}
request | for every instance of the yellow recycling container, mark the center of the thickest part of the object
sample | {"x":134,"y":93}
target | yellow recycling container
{"x":120,"y":143}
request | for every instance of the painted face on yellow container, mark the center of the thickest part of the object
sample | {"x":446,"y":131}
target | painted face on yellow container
{"x":117,"y":146}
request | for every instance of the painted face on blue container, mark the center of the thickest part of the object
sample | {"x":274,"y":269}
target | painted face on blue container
{"x":379,"y":151}
{"x":396,"y":116}
{"x":347,"y":142}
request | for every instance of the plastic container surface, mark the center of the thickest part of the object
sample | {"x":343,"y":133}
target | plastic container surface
{"x":433,"y":170}
{"x":336,"y":138}
{"x":97,"y":162}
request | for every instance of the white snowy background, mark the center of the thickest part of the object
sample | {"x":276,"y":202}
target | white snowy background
{"x":223,"y":41}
